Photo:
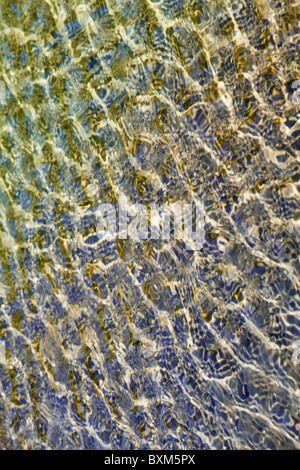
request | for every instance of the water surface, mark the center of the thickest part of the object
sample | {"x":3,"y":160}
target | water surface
{"x":125,"y":345}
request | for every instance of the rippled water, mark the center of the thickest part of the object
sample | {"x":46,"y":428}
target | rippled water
{"x":126,"y":345}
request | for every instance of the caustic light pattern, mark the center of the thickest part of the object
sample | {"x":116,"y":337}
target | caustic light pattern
{"x":126,"y":344}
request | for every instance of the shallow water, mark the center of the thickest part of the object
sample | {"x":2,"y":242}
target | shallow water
{"x":119,"y":344}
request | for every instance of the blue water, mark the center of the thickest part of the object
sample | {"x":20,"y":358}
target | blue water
{"x":121,"y":344}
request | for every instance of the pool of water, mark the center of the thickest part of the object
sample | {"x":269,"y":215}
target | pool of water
{"x":117,"y":343}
